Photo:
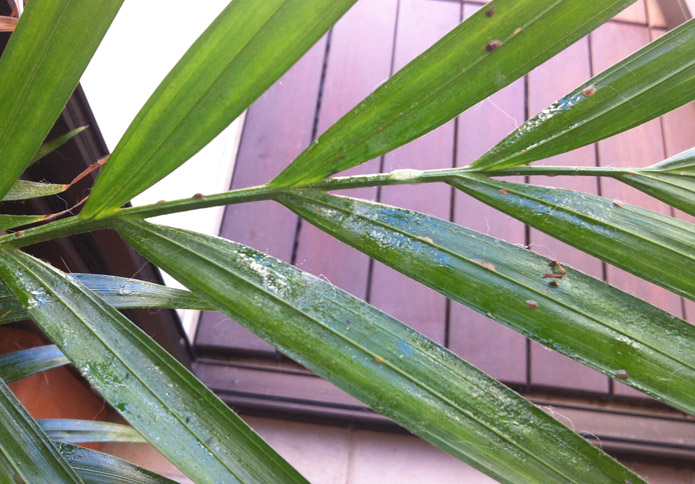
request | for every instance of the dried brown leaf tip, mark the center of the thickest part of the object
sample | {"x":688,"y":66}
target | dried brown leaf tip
{"x":531,"y":303}
{"x":589,"y":90}
{"x":493,"y":45}
{"x":8,"y":24}
{"x":490,"y":11}
{"x":622,"y":374}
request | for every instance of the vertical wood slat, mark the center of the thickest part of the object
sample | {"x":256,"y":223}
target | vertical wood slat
{"x":548,"y":83}
{"x":488,"y":345}
{"x":420,"y":24}
{"x":640,"y":146}
{"x":635,"y":13}
{"x":359,"y":61}
{"x":269,"y":142}
{"x":655,"y":15}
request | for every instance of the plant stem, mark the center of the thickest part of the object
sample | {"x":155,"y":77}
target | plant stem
{"x":560,"y":170}
{"x":77,"y":224}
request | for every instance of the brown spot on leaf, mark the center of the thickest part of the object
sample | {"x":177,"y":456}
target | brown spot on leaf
{"x":622,"y":374}
{"x":199,"y":195}
{"x":531,"y":303}
{"x":490,"y":11}
{"x":556,"y":264}
{"x":493,"y":45}
{"x":378,"y":360}
{"x":19,"y":234}
{"x":554,"y":283}
{"x":504,"y":191}
{"x":618,"y":203}
{"x":487,"y":265}
{"x":517,"y":30}
{"x":589,"y":90}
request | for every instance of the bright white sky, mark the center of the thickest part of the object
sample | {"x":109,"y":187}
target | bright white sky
{"x":146,"y":40}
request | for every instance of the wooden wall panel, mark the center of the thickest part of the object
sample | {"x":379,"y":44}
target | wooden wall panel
{"x":655,"y":15}
{"x":373,"y":39}
{"x":359,"y":61}
{"x":420,"y":24}
{"x":635,"y":13}
{"x":269,"y":142}
{"x":545,"y":86}
{"x":485,"y":343}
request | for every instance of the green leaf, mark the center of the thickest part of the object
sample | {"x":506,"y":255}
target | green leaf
{"x":12,"y":221}
{"x":99,"y":468}
{"x":75,"y":431}
{"x":6,"y":468}
{"x":377,"y":359}
{"x":50,"y":146}
{"x":28,"y":453}
{"x":119,"y":292}
{"x":24,"y":189}
{"x":680,"y":164}
{"x":122,"y":292}
{"x":249,"y":46}
{"x":499,"y":44}
{"x":165,"y":403}
{"x":577,"y":315}
{"x":656,"y":79}
{"x":671,"y":181}
{"x":655,"y":247}
{"x":50,"y":48}
{"x":23,"y":363}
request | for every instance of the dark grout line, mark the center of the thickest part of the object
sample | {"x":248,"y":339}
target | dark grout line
{"x":382,"y":158}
